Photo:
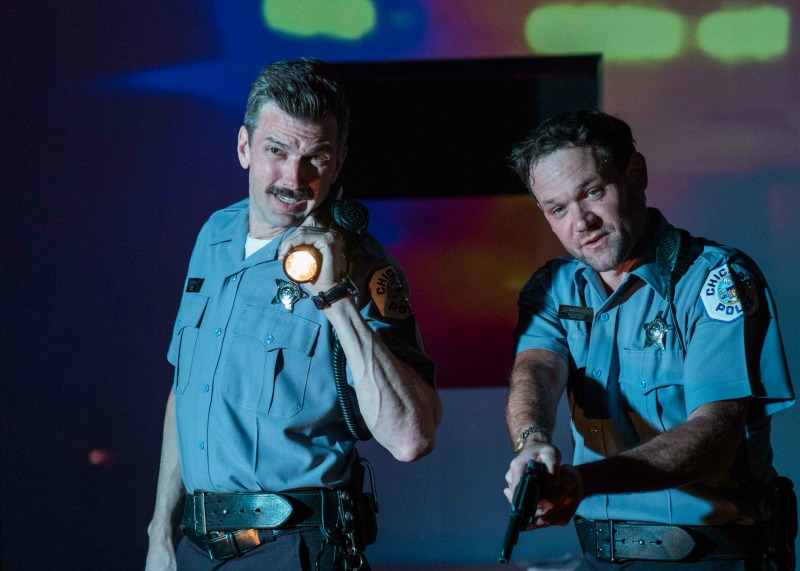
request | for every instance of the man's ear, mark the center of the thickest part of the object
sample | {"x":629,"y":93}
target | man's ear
{"x":243,"y":147}
{"x":637,"y":172}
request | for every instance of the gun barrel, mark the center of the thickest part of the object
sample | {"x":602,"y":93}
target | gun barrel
{"x":523,"y":506}
{"x":510,"y":540}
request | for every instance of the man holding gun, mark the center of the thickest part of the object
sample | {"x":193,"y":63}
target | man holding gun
{"x":669,"y":349}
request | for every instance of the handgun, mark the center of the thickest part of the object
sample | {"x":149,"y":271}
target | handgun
{"x":523,"y":507}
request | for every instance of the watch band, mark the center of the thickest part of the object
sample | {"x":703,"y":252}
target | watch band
{"x":520,"y":440}
{"x":344,"y":288}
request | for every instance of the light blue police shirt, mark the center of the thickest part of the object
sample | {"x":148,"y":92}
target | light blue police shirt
{"x":256,"y":404}
{"x":624,"y":391}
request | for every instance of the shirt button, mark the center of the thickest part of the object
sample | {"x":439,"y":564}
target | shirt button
{"x":604,"y":317}
{"x":597,"y":373}
{"x":593,"y":429}
{"x":642,"y":383}
{"x":269,"y":339}
{"x":217,"y":332}
{"x":201,"y":445}
{"x":206,"y":388}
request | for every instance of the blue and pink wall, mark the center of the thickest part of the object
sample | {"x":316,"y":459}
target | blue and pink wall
{"x":120,"y":125}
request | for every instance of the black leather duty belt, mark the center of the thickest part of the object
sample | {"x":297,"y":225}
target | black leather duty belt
{"x":617,"y":541}
{"x":207,"y":511}
{"x":227,"y":525}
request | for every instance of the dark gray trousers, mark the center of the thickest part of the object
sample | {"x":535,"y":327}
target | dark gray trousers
{"x":297,"y":550}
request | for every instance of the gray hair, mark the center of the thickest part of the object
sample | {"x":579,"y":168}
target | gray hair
{"x":306,"y":89}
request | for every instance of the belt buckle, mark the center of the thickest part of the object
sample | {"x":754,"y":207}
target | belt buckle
{"x":220,"y":545}
{"x":604,"y":535}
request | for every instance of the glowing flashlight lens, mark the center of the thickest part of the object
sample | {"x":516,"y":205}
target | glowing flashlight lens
{"x":301,"y":265}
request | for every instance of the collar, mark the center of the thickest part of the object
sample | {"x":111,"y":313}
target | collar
{"x":231,"y":233}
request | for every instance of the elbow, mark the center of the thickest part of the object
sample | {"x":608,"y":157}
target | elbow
{"x":418,"y":442}
{"x":419,"y":434}
{"x":415,"y":448}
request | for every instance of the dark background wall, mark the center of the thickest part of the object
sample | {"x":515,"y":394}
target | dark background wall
{"x":119,"y":129}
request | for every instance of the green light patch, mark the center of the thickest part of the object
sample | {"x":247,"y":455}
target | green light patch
{"x":745,"y":34}
{"x":339,"y":19}
{"x":622,"y":33}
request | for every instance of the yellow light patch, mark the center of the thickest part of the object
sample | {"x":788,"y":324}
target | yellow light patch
{"x":388,"y":295}
{"x":301,"y":265}
{"x":339,"y":19}
{"x":758,"y":33}
{"x":622,"y":33}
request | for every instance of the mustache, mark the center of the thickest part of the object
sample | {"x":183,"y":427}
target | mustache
{"x":294,"y":194}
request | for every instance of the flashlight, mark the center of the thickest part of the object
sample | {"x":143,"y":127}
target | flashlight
{"x":302,"y":264}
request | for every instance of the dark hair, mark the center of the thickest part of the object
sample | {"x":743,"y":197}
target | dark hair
{"x":306,"y":89}
{"x":608,"y":137}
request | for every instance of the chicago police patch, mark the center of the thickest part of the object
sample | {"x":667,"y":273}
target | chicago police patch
{"x":729,"y":293}
{"x":388,"y":295}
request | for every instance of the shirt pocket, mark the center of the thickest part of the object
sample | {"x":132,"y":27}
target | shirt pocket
{"x":652,"y":383}
{"x":190,"y":315}
{"x":270,"y":361}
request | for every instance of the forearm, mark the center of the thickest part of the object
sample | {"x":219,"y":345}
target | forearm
{"x":400,"y":408}
{"x":703,"y":447}
{"x":170,"y":482}
{"x":537,"y":382}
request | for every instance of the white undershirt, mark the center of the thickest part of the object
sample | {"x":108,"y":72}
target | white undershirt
{"x":253,"y":245}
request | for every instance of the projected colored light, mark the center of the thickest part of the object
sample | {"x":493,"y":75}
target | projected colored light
{"x":754,"y":34}
{"x":340,"y":19}
{"x":620,"y":33}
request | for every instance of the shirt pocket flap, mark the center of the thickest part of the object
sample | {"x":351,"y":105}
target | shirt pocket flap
{"x":191,"y":311}
{"x":278,"y":330}
{"x":651,"y":369}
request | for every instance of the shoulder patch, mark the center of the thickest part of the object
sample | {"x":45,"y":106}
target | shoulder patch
{"x":388,"y":295}
{"x":727,"y":294}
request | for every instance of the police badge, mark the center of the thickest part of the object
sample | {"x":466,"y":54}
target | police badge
{"x":288,"y":294}
{"x":656,"y":330}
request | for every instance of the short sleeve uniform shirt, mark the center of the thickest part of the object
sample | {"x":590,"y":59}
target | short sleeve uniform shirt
{"x":719,"y":341}
{"x":256,"y":403}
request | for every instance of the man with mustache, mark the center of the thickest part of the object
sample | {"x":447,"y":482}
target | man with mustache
{"x":669,"y":349}
{"x":257,"y":463}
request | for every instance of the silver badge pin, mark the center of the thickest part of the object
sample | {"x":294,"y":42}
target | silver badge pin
{"x":288,"y":294}
{"x":656,"y":330}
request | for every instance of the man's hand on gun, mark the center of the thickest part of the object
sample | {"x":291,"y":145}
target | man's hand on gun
{"x":561,"y":485}
{"x":523,"y":506}
{"x":541,"y":491}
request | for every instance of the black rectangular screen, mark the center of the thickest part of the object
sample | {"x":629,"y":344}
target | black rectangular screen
{"x":445,"y":127}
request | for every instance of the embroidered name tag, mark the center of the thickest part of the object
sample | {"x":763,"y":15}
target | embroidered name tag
{"x":576,"y":313}
{"x":194,"y":285}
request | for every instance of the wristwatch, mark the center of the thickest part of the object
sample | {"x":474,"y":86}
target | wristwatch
{"x":344,"y":288}
{"x":520,"y":440}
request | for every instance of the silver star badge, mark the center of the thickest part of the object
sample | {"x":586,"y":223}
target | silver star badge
{"x":656,"y":330}
{"x":288,"y":294}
